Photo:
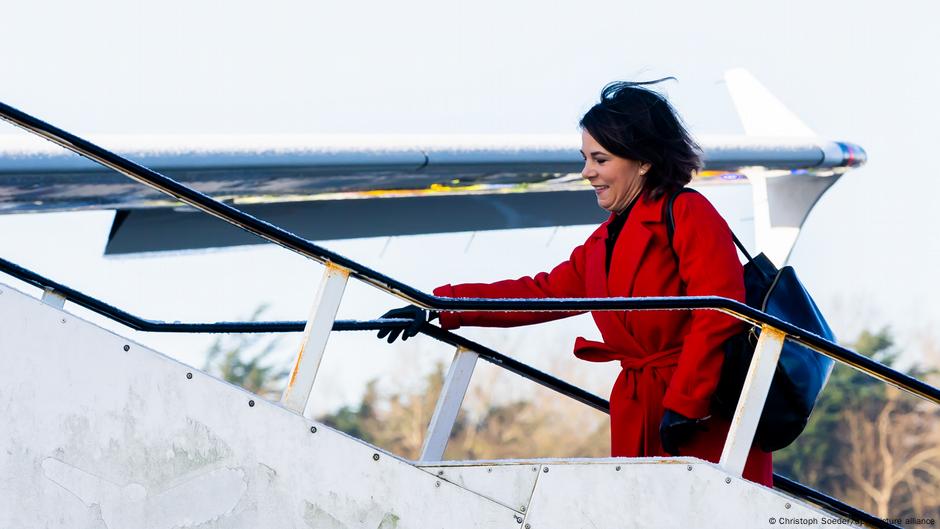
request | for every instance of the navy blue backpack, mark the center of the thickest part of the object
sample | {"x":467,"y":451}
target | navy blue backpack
{"x":801,"y":373}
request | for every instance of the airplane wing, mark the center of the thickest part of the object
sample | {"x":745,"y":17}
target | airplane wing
{"x":337,"y":187}
{"x":334,"y":187}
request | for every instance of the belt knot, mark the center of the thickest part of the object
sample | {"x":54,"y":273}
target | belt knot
{"x":639,"y":370}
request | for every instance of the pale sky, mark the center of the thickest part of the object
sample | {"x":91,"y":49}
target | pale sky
{"x":855,"y":71}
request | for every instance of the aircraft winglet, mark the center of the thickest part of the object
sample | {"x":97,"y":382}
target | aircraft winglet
{"x":761,"y":113}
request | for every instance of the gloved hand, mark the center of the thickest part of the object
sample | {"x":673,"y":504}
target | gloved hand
{"x":676,"y":429}
{"x":409,"y":312}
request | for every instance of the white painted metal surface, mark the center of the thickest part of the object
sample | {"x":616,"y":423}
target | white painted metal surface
{"x":760,"y":112}
{"x":751,"y":403}
{"x":781,"y":205}
{"x":509,"y":483}
{"x":100,"y":432}
{"x":316,"y":334}
{"x":781,"y":209}
{"x":448,"y":404}
{"x":53,"y":299}
{"x":96,"y":436}
{"x":657,"y":493}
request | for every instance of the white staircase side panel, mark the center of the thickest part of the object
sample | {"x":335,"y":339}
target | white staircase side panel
{"x":660,"y":492}
{"x":640,"y":492}
{"x":510,"y":484}
{"x":98,"y":437}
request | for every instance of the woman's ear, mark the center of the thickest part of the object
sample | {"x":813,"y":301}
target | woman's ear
{"x":644,"y":168}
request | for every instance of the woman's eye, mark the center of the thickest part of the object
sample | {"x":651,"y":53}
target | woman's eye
{"x":601,"y":161}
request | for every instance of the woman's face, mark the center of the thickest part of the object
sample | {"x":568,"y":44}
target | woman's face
{"x":616,"y":180}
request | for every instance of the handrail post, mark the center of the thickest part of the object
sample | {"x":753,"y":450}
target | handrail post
{"x":448,"y":404}
{"x":316,"y":333}
{"x":751,"y":402}
{"x":53,"y":298}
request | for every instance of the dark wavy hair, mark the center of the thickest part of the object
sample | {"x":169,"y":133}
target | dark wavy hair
{"x":634,"y":122}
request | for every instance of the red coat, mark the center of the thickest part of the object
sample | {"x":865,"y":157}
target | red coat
{"x":670,"y":359}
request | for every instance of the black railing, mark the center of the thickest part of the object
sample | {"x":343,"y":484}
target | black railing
{"x":847,"y":512}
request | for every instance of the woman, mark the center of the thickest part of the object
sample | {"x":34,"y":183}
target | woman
{"x":636,"y":154}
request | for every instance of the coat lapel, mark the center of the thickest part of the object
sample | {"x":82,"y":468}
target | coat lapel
{"x":631,"y":245}
{"x":625,"y":262}
{"x":630,"y":248}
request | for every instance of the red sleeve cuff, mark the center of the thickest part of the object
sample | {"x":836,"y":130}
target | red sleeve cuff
{"x":449,"y":320}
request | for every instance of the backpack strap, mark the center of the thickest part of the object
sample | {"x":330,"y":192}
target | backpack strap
{"x":671,"y":223}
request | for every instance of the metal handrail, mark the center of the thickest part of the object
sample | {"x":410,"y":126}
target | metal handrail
{"x":494,"y":357}
{"x":310,"y":250}
{"x":843,"y":509}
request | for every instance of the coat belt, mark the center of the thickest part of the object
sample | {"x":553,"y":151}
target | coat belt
{"x":638,"y":367}
{"x":640,"y":373}
{"x":641,"y":379}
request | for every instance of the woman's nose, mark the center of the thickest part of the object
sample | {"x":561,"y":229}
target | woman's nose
{"x":588,"y":172}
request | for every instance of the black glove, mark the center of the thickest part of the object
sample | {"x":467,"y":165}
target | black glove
{"x":410,"y":312}
{"x":676,"y":429}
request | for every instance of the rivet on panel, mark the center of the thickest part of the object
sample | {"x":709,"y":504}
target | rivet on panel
{"x":313,"y":429}
{"x":189,"y":376}
{"x":727,"y":480}
{"x":126,"y":347}
{"x":251,"y":404}
{"x":689,"y":468}
{"x":528,"y":526}
{"x":535,"y":469}
{"x":489,"y":470}
{"x":62,"y":320}
{"x":518,"y":518}
{"x":375,"y":457}
{"x":437,"y":483}
{"x":787,"y":506}
{"x":440,"y":472}
{"x":522,"y":509}
{"x":545,"y":469}
{"x":617,"y":468}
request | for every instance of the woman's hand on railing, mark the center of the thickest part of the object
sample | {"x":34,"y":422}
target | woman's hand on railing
{"x":418,"y":316}
{"x":676,"y":429}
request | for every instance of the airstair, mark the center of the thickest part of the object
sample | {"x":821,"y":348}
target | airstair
{"x":100,"y":431}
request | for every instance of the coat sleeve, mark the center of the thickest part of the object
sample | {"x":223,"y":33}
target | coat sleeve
{"x":565,"y":281}
{"x":708,"y":266}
